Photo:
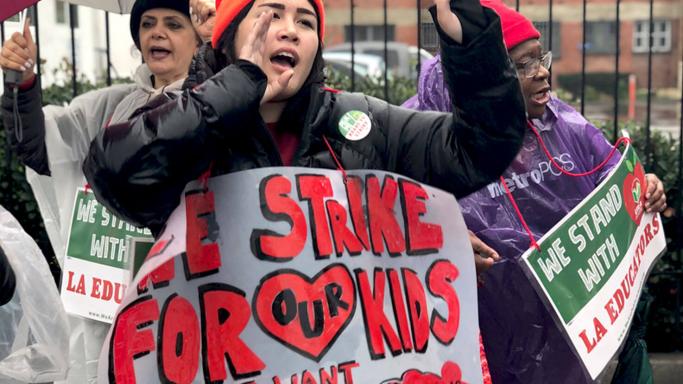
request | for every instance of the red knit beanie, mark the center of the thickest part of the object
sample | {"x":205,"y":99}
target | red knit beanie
{"x":516,"y":28}
{"x":227,"y":10}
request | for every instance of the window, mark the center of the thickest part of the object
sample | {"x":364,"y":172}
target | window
{"x":544,"y":28}
{"x":15,"y":18}
{"x":601,"y":37}
{"x":429,"y":36}
{"x":661,"y":37}
{"x":62,"y":13}
{"x":369,"y":32}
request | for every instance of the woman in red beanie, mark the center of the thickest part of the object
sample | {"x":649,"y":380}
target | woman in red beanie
{"x":522,"y":341}
{"x":266,"y":105}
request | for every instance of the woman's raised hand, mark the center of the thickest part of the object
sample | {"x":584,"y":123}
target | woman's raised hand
{"x":19,"y":53}
{"x":448,"y":21}
{"x":254,"y":51}
{"x":203,"y":15}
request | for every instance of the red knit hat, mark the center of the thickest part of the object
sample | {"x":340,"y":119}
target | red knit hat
{"x":227,"y":10}
{"x":516,"y":28}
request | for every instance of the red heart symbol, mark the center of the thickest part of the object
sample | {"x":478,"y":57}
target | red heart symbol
{"x":450,"y":374}
{"x":633,"y":193}
{"x":306,"y":315}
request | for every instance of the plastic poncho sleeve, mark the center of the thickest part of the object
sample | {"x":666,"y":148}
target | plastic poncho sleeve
{"x":599,"y":149}
{"x":587,"y":142}
{"x":34,"y":342}
{"x":78,"y":123}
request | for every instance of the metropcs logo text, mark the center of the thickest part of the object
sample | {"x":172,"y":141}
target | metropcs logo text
{"x":537,"y":175}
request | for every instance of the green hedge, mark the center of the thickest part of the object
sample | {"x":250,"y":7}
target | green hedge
{"x":597,"y":83}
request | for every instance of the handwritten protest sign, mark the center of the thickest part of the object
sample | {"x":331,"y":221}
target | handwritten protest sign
{"x":595,"y":261}
{"x":97,"y":263}
{"x":295,"y":275}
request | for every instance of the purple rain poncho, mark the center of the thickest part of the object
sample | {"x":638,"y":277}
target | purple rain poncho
{"x":522,"y":342}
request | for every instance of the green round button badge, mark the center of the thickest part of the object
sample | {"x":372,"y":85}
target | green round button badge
{"x":355,"y":125}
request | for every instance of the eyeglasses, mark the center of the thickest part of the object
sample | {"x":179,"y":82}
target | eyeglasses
{"x":530,"y":68}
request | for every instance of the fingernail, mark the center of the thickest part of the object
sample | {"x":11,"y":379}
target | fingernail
{"x":23,"y":68}
{"x":30,"y":62}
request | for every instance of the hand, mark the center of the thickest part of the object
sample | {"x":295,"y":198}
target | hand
{"x":203,"y":16}
{"x":254,"y":51}
{"x":19,"y":53}
{"x":484,"y":256}
{"x":448,"y":21}
{"x":656,"y":199}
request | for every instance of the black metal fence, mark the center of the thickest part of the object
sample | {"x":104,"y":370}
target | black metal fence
{"x":675,"y":271}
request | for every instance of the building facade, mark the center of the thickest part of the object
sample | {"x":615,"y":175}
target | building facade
{"x":567,"y":33}
{"x":402,"y":25}
{"x":90,"y":42}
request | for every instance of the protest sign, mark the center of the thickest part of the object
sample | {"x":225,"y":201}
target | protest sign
{"x":299,"y":275}
{"x":593,"y":264}
{"x":98,"y":262}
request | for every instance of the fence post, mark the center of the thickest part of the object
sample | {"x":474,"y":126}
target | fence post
{"x":550,"y":38}
{"x":108,"y":46}
{"x":72,"y":27}
{"x":37,"y":38}
{"x":386,"y":52}
{"x":679,"y":217}
{"x":583,"y":59}
{"x":648,"y":114}
{"x":419,"y":40}
{"x":352,"y":29}
{"x":616,"y":72}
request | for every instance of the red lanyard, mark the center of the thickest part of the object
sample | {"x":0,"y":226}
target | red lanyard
{"x":533,"y":242}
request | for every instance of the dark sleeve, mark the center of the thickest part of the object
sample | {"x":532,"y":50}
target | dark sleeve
{"x":139,"y":168}
{"x":463,"y":151}
{"x":7,"y":280}
{"x":472,"y":19}
{"x":32,"y":151}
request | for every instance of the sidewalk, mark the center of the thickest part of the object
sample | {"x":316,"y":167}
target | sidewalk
{"x":667,"y":367}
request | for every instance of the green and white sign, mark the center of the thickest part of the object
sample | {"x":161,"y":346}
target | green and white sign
{"x":593,"y":264}
{"x":101,"y":252}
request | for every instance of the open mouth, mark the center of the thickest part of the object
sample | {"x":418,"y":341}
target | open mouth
{"x":284,"y":59}
{"x":159,"y":53}
{"x":541,"y":97}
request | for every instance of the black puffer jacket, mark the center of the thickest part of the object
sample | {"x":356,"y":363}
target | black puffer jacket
{"x":139,"y":169}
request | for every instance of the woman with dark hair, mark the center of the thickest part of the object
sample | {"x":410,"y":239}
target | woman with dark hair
{"x":268,"y":107}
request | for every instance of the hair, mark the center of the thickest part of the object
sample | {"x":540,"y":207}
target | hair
{"x":226,"y":54}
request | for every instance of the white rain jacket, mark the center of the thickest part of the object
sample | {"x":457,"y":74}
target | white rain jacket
{"x":54,"y":173}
